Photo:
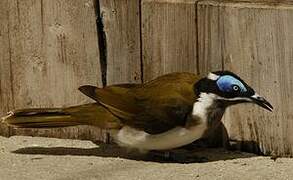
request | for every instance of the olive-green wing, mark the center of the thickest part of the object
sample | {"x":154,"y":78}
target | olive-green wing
{"x":117,"y":99}
{"x":154,"y":107}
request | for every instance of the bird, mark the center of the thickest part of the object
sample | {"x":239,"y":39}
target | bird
{"x":168,"y":112}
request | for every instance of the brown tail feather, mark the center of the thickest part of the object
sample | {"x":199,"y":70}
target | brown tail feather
{"x":89,"y":114}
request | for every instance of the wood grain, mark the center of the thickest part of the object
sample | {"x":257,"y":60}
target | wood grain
{"x":169,"y":44}
{"x":6,"y":88}
{"x":49,"y":48}
{"x":169,"y":37}
{"x":121,"y":21}
{"x":254,"y":41}
{"x":51,"y":56}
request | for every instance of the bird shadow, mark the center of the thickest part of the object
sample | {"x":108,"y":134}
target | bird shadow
{"x":112,"y":150}
{"x":214,"y":147}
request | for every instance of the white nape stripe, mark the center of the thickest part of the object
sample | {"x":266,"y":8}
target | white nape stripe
{"x":235,"y":99}
{"x":213,"y":76}
{"x":208,"y":99}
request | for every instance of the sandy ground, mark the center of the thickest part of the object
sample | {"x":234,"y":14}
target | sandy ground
{"x":27,"y":158}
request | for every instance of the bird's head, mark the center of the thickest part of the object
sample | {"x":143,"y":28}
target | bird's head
{"x":230,"y":89}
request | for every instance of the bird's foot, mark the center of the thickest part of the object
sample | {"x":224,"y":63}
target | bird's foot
{"x":177,"y":155}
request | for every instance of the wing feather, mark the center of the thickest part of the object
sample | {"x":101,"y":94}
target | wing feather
{"x":154,"y":107}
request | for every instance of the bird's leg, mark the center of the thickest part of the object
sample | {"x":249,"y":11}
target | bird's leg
{"x":176,"y":155}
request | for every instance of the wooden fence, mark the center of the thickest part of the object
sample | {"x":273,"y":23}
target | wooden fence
{"x":50,"y":47}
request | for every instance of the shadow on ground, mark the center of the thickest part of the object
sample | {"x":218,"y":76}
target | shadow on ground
{"x":203,"y":150}
{"x":112,"y":150}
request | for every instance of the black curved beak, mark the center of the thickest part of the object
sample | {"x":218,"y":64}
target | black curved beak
{"x":257,"y":99}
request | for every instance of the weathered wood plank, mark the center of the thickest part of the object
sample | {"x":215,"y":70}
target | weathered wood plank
{"x":169,"y":37}
{"x":121,"y":21}
{"x":6,"y":88}
{"x":121,"y":30}
{"x":169,"y":42}
{"x":51,"y":56}
{"x":253,"y":40}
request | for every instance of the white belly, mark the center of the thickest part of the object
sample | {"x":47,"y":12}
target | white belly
{"x":176,"y":137}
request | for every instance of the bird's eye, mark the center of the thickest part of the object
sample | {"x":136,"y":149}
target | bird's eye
{"x":235,"y":88}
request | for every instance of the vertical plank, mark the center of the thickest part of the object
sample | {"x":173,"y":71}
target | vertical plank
{"x":51,"y":56}
{"x":254,"y":41}
{"x":121,"y":21}
{"x":169,"y":37}
{"x":121,"y":30}
{"x":6,"y":98}
{"x":169,"y":43}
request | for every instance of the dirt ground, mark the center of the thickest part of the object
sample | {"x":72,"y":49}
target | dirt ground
{"x":27,"y":158}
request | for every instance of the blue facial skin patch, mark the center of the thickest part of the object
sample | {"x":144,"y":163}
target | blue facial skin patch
{"x":226,"y":83}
